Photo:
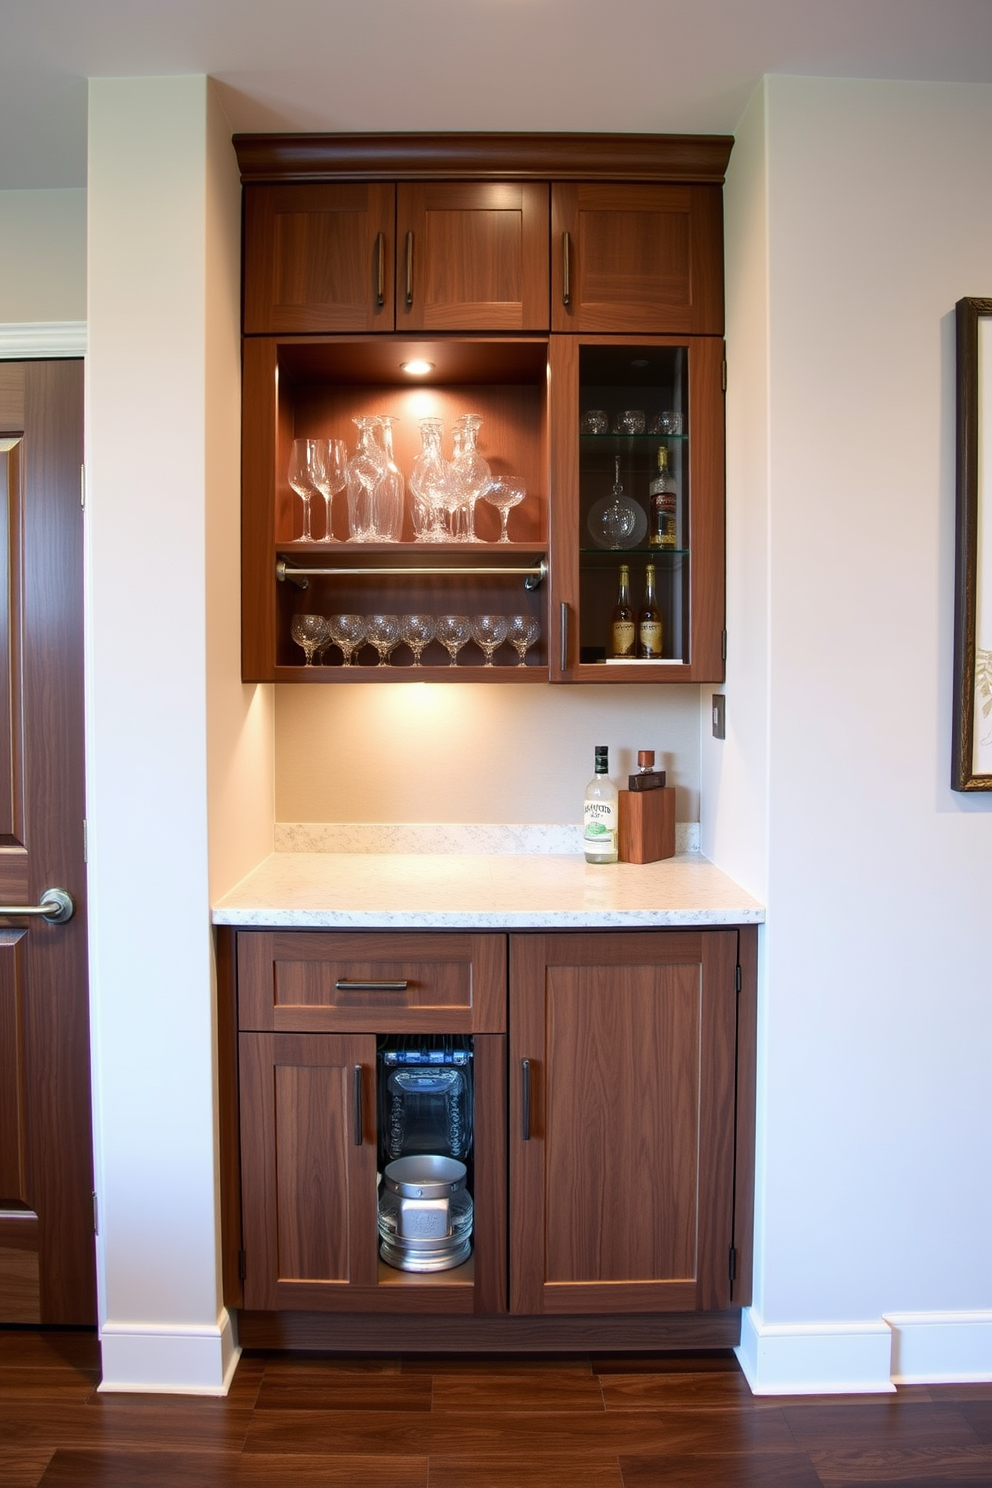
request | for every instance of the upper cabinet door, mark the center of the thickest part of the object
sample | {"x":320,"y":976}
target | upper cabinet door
{"x":640,"y":258}
{"x":472,"y":256}
{"x":319,"y":258}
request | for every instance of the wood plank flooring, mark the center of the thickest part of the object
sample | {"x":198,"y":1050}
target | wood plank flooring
{"x":303,"y":1420}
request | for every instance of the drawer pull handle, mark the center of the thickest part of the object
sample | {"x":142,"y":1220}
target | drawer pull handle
{"x":409,"y":269}
{"x":525,"y":1100}
{"x":357,"y":1091}
{"x":566,"y":269}
{"x":564,"y":636}
{"x":380,"y":268}
{"x":344,"y":985}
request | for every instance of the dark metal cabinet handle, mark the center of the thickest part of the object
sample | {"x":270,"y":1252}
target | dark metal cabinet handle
{"x":566,"y":269}
{"x":357,"y":1092}
{"x":564,"y":636}
{"x":380,"y":268}
{"x":344,"y":985}
{"x":525,"y":1100}
{"x":409,"y":269}
{"x":56,"y":907}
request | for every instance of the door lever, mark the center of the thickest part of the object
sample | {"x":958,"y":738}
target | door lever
{"x":56,"y":907}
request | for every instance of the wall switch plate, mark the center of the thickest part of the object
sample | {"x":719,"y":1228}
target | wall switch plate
{"x":719,"y":715}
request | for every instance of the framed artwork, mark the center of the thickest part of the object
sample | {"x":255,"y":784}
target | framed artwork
{"x":971,"y":765}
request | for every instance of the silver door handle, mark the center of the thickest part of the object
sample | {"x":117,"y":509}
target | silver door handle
{"x":56,"y":907}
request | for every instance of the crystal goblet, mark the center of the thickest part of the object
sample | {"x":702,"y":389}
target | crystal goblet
{"x":506,"y":492}
{"x":523,"y":631}
{"x":416,"y":631}
{"x":384,"y":633}
{"x":489,"y":632}
{"x":453,"y":631}
{"x":308,"y":631}
{"x":329,"y":472}
{"x":348,"y":634}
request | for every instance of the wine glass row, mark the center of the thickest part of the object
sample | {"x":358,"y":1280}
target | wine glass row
{"x":350,"y":633}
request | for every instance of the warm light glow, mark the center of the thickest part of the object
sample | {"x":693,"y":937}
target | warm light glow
{"x":417,"y":368}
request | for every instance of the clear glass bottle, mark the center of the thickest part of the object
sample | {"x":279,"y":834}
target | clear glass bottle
{"x":473,"y":469}
{"x":387,"y":516}
{"x":664,"y":503}
{"x":623,"y":631}
{"x":436,"y":486}
{"x":649,"y":629}
{"x":600,"y":813}
{"x":365,"y":470}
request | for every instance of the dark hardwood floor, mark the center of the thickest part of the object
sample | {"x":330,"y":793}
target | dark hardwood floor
{"x":685,"y":1421}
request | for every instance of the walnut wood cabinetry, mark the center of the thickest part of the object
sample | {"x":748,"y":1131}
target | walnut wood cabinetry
{"x":496,"y":257}
{"x":614,"y":1188}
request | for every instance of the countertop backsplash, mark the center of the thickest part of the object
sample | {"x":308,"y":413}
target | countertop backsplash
{"x":446,"y":837}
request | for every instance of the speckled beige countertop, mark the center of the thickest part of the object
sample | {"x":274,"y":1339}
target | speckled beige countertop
{"x":532,"y":890}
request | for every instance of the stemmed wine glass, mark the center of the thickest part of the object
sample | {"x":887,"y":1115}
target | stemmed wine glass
{"x":348,"y":634}
{"x":384,"y":633}
{"x":523,"y":631}
{"x":302,"y":462}
{"x":473,"y":470}
{"x":506,"y":492}
{"x":453,"y":631}
{"x":329,"y":473}
{"x":416,"y":631}
{"x":308,"y":631}
{"x":488,"y":632}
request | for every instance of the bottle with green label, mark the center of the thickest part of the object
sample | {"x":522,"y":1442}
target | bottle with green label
{"x":600,"y":815}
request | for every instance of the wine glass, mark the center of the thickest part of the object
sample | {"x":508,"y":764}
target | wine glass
{"x":453,"y":631}
{"x":308,"y":631}
{"x":416,"y":631}
{"x":523,"y":631}
{"x":384,"y":633}
{"x":329,"y":473}
{"x":473,"y":470}
{"x":506,"y":492}
{"x":302,"y":460}
{"x":348,"y":634}
{"x":488,"y":632}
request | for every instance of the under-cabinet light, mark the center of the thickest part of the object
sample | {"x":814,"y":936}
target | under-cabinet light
{"x":417,"y":367}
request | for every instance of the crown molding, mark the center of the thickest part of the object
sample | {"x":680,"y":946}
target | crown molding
{"x":32,"y":340}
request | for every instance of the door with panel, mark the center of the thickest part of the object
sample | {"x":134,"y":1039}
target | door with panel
{"x":47,"y":1263}
{"x":622,"y":1121}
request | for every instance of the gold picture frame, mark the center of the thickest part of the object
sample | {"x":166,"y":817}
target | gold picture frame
{"x":971,"y":766}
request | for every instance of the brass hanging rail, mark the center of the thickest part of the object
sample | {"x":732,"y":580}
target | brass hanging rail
{"x":533,"y":575}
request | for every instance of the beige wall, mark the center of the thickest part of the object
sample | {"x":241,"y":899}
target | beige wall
{"x":42,"y":256}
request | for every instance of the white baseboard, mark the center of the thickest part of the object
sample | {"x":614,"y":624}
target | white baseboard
{"x":40,"y":339}
{"x":815,"y":1358}
{"x":930,"y":1348}
{"x":167,"y":1359}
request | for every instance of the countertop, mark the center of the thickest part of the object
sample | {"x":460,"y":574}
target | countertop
{"x":466,"y":891}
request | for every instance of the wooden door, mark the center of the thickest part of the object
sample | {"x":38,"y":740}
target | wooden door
{"x":635,"y":258}
{"x":319,"y":258}
{"x":308,"y":1169}
{"x":47,"y":1269}
{"x":472,"y":256}
{"x":622,"y":1092}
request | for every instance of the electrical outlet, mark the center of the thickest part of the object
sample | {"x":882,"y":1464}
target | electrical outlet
{"x":719,"y":715}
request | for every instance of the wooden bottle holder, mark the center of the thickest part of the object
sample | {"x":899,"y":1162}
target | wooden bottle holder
{"x":647,"y":825}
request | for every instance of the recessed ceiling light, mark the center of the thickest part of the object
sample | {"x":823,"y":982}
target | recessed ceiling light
{"x":640,"y":362}
{"x":417,"y":367}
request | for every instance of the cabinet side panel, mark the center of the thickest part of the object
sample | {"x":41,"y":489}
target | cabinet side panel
{"x":718,"y":1053}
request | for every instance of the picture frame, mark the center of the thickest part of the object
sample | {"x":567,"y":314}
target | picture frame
{"x":971,"y":764}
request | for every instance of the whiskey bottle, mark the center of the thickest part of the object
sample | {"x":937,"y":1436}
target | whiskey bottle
{"x":600,"y":813}
{"x":623,"y":631}
{"x":663,"y":504}
{"x":649,"y":621}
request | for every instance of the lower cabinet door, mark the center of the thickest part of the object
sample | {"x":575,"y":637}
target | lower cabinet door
{"x":622,"y":1097}
{"x":308,"y":1155}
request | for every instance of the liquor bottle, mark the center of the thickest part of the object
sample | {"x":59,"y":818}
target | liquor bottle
{"x":600,"y":814}
{"x":663,"y":494}
{"x":649,"y":621}
{"x":623,"y":631}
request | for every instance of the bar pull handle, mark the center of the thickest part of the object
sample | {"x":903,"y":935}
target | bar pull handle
{"x":409,"y":269}
{"x":380,"y":268}
{"x":344,"y":985}
{"x":525,"y":1100}
{"x":357,"y":1096}
{"x":566,"y":268}
{"x":564,"y":636}
{"x":56,"y":907}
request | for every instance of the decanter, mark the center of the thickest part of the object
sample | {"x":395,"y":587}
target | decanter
{"x":473,"y":470}
{"x":436,"y":486}
{"x":366,"y":469}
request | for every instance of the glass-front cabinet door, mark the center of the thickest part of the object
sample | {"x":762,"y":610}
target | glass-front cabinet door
{"x":637,"y":509}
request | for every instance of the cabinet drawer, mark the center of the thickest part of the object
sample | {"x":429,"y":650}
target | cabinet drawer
{"x":353,"y":982}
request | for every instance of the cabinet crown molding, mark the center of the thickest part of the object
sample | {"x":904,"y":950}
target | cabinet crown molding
{"x":413,"y":157}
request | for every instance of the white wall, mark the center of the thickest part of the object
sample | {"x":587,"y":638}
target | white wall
{"x":162,"y":457}
{"x":858,"y":213}
{"x":42,"y":256}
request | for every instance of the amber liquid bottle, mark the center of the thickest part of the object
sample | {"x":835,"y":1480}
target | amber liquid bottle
{"x":623,"y":631}
{"x":664,"y":501}
{"x":649,"y":636}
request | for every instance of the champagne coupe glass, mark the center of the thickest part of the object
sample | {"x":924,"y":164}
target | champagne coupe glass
{"x":472,"y":468}
{"x":384,"y":633}
{"x":330,"y":475}
{"x":488,"y":632}
{"x":308,"y":631}
{"x":453,"y":631}
{"x":302,"y":460}
{"x":348,"y":634}
{"x":506,"y":492}
{"x":416,"y":631}
{"x":523,"y":631}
